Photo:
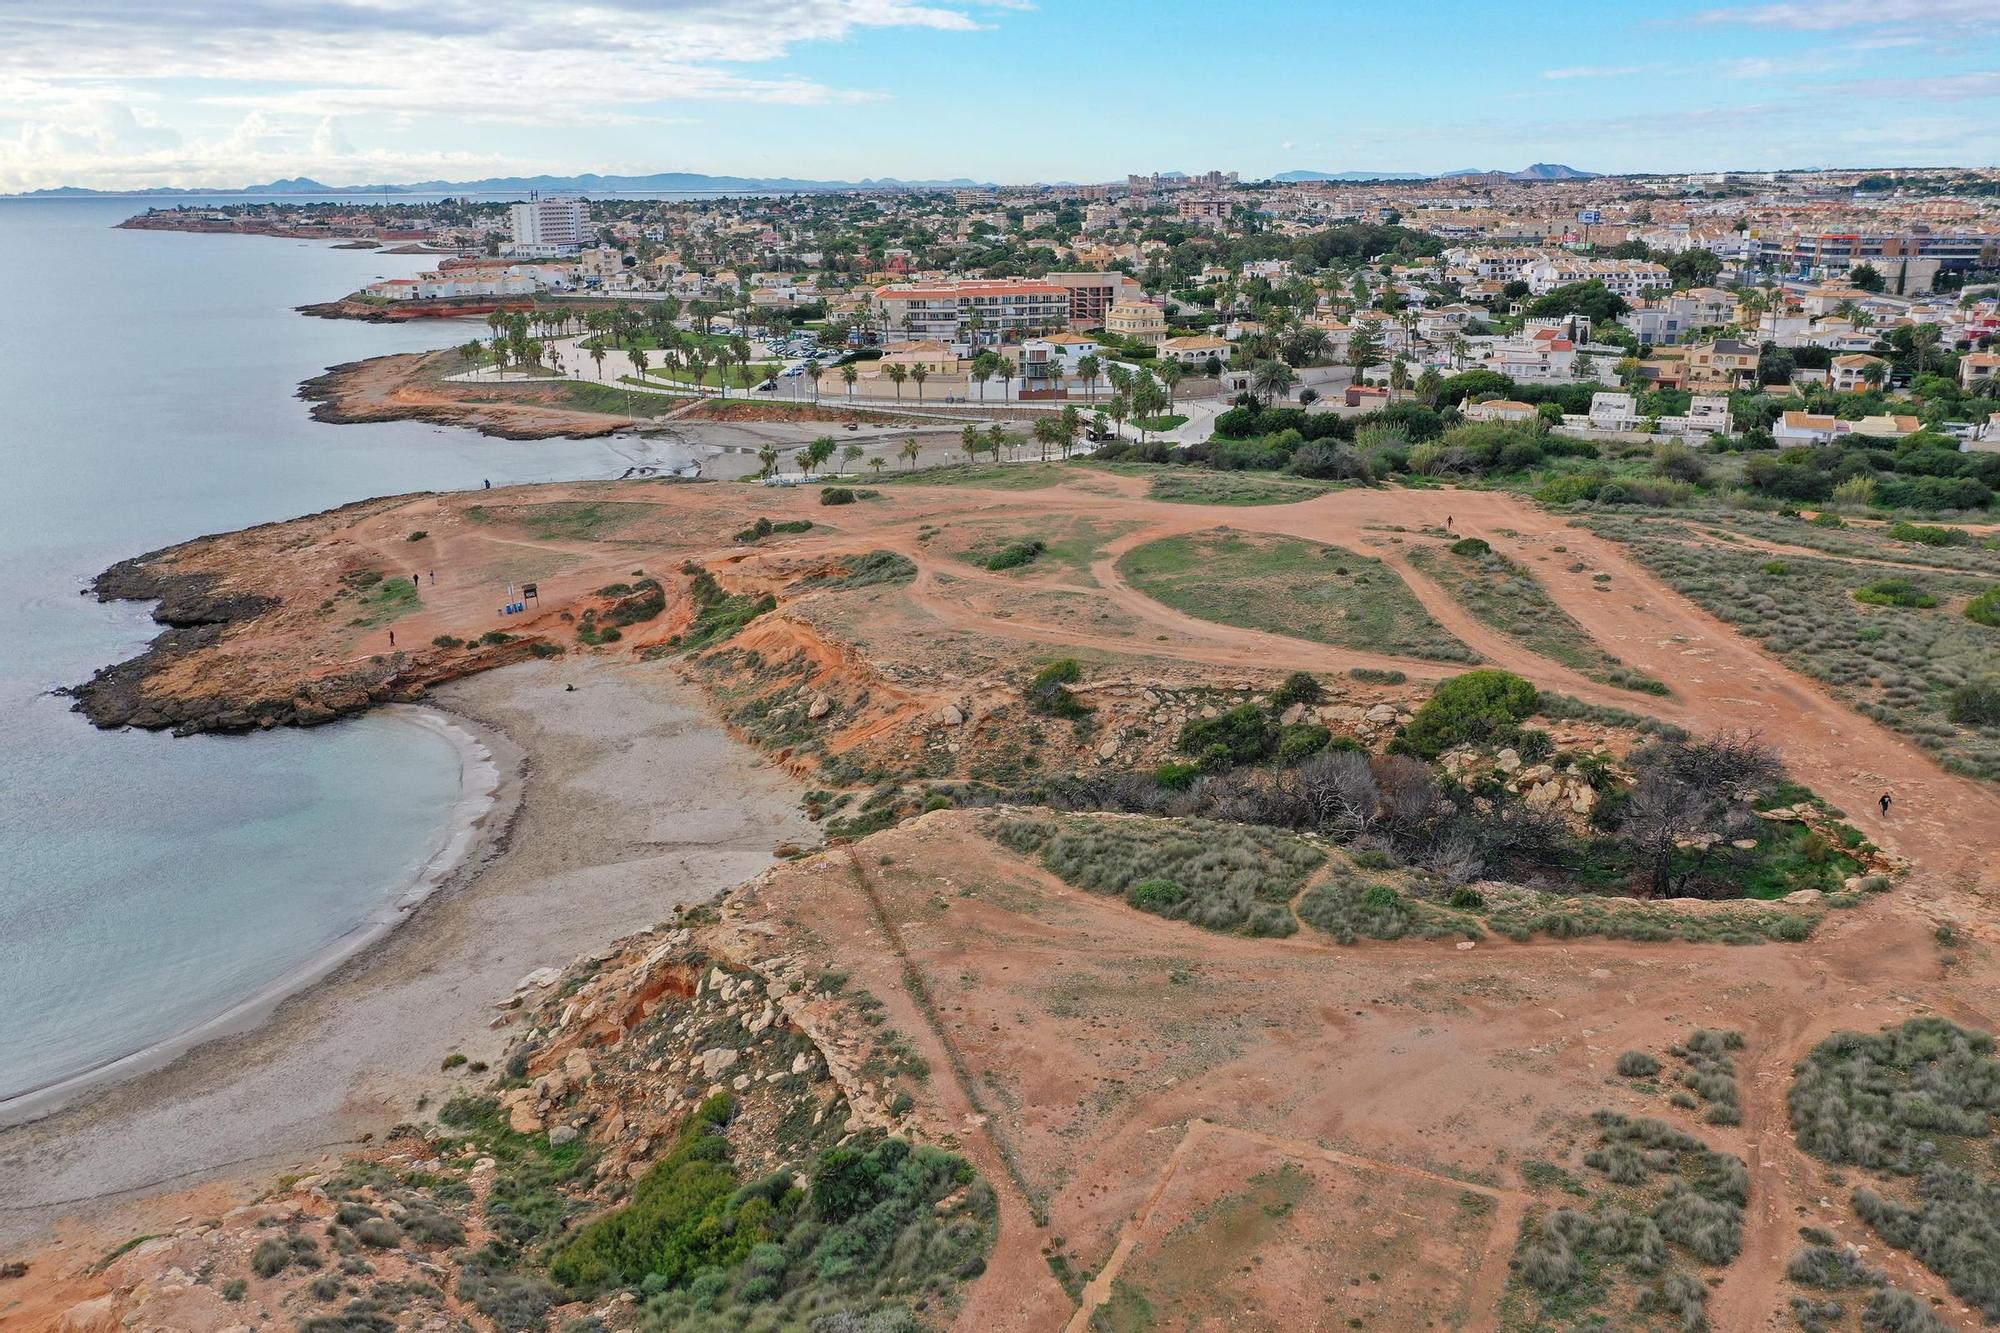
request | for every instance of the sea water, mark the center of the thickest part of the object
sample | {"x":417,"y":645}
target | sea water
{"x":148,"y":883}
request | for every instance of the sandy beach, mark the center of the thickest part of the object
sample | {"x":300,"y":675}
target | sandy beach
{"x":615,"y":801}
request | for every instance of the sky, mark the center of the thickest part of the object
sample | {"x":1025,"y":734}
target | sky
{"x":124,"y":94}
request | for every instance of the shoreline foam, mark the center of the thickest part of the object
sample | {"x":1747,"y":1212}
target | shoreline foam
{"x":454,"y":846}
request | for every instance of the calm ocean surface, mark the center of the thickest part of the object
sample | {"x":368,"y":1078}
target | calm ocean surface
{"x":146,"y":379}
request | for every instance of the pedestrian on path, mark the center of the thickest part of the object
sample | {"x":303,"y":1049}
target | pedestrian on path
{"x":1885,"y":805}
{"x":392,"y":638}
{"x":1447,"y":522}
{"x":434,"y":576}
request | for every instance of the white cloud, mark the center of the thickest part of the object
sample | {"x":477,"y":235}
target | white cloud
{"x":1599,"y":71}
{"x":312,"y":75}
{"x":1830,"y":15}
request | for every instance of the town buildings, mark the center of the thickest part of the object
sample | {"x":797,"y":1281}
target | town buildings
{"x":553,"y":226}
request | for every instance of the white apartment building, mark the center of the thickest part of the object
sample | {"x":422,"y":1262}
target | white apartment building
{"x":945,"y":310}
{"x":550,"y":226}
{"x":1624,"y":277}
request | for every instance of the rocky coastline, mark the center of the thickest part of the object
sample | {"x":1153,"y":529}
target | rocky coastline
{"x":394,"y":388}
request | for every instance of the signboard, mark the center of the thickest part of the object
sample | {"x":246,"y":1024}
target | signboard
{"x":1590,"y":217}
{"x":528,"y":591}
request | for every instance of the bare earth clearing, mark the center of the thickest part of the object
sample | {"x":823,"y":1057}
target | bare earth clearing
{"x":1183,"y":1128}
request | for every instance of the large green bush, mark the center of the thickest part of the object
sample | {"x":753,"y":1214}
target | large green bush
{"x":1976,"y":703}
{"x":1985,"y":608}
{"x":1480,"y":705}
{"x":1895,"y":592}
{"x":1243,"y":735}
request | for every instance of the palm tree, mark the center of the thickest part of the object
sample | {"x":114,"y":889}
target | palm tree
{"x":910,"y":450}
{"x":1088,"y":368}
{"x":1172,"y":372}
{"x":1924,"y":340}
{"x":1459,"y":347}
{"x":848,"y":374}
{"x":1272,"y":379}
{"x":1005,"y":369}
{"x":597,"y":355}
{"x":920,"y":372}
{"x":995,"y":438}
{"x":1874,"y":373}
{"x":898,"y":372}
{"x":982,"y":371}
{"x":1399,"y":377}
{"x":1121,"y":407}
{"x":969,"y":439}
{"x":499,"y":346}
{"x":812,"y":369}
{"x":768,"y":456}
{"x":723,"y":357}
{"x":748,"y":376}
{"x":471,"y":352}
{"x":1072,"y":426}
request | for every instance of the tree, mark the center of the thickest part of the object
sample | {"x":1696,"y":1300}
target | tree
{"x":1364,"y":349}
{"x":983,"y":367}
{"x":910,"y":450}
{"x":1924,"y":340}
{"x":1047,"y":432}
{"x":471,"y":352}
{"x":723,"y":357}
{"x":1172,"y":372}
{"x":1399,"y":377}
{"x":1874,"y":373}
{"x":1088,"y":368}
{"x":1072,"y":427}
{"x":970,"y":440}
{"x":848,"y":374}
{"x":817,"y":452}
{"x":898,"y":372}
{"x":812,"y":369}
{"x":920,"y":373}
{"x":850,"y":452}
{"x":877,"y":463}
{"x":597,"y":355}
{"x":1272,"y":380}
{"x":995,"y":438}
{"x":767,"y":454}
{"x":1866,"y":277}
{"x":1005,"y":369}
{"x":499,"y":346}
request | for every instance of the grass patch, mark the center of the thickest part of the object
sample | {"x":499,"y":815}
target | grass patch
{"x":1225,"y":877}
{"x":564,"y":520}
{"x":867,"y":570}
{"x":1285,"y":585}
{"x":1230,"y":488}
{"x":1504,"y":596}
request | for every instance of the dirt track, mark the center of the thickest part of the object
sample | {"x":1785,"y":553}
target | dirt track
{"x":1393,"y":1086}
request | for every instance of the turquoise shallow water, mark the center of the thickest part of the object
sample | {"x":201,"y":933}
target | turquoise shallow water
{"x":146,"y":396}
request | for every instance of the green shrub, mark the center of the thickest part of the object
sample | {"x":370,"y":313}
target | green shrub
{"x":1377,"y":676}
{"x":836,"y":495}
{"x":1895,"y":592}
{"x":1243,"y":735}
{"x":673,"y":1224}
{"x":1637,"y":1064}
{"x":1477,"y":706}
{"x":1158,"y":896}
{"x":1776,"y":567}
{"x":1885,"y":1101}
{"x":1016,"y":555}
{"x":1471,"y":547}
{"x":1049,"y":695}
{"x":448,"y":641}
{"x":1985,"y":608}
{"x":1301,"y":687}
{"x":1176,"y":776}
{"x":417,"y":536}
{"x":1927,"y":535}
{"x":1302,"y":740}
{"x":1976,"y":703}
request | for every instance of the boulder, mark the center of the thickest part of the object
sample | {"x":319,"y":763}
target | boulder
{"x":97,"y":1315}
{"x":562,"y":1134}
{"x":950,"y":716}
{"x":523,"y":1120}
{"x":716,"y":1059}
{"x":820,"y":706}
{"x":1508,"y":760}
{"x":1803,"y":896}
{"x":539,"y":979}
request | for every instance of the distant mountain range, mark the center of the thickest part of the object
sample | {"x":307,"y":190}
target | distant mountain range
{"x":521,"y":185}
{"x":1541,"y":171}
{"x":695,"y":182}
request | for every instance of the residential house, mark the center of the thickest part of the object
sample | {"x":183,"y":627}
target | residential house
{"x":1138,"y":321}
{"x":947,"y":310}
{"x":1053,"y":357}
{"x":1849,"y":374}
{"x":1502,"y":409}
{"x":1726,"y":363}
{"x":1708,"y":414}
{"x":1978,"y":365}
{"x":1195,"y":349}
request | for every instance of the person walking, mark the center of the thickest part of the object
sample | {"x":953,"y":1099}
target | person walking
{"x":1447,"y":522}
{"x":392,"y":638}
{"x":434,"y":576}
{"x":1885,"y":805}
{"x":489,"y":485}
